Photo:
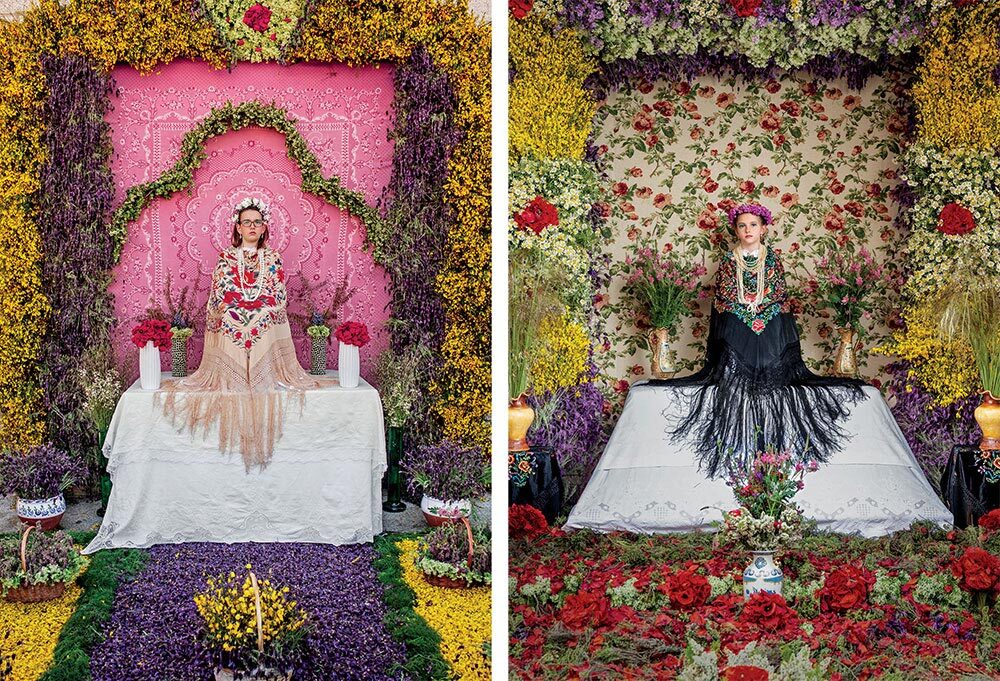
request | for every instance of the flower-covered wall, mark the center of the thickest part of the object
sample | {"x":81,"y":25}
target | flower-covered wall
{"x":53,"y":297}
{"x":678,"y":154}
{"x":868,"y":124}
{"x":344,"y":116}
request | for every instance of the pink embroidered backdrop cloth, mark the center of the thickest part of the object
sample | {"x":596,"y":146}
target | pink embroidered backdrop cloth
{"x":343,"y":113}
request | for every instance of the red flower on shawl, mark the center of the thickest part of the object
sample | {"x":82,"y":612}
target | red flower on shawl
{"x":231,"y":297}
{"x":281,"y":274}
{"x":251,"y":304}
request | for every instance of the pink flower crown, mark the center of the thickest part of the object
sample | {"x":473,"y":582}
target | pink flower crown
{"x":754,"y":208}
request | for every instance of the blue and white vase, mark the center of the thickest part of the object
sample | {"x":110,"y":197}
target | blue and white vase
{"x":762,"y":575}
{"x":47,"y":511}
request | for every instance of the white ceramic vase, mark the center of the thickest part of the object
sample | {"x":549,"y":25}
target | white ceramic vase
{"x":349,"y":365}
{"x":762,"y":575}
{"x":149,"y":367}
{"x":46,"y":511}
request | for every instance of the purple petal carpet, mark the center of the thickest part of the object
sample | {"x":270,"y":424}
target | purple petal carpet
{"x":154,"y":625}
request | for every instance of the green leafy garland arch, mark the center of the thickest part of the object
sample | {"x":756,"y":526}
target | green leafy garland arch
{"x":236,"y":117}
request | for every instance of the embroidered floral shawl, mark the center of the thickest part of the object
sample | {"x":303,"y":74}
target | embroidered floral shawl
{"x":249,"y":362}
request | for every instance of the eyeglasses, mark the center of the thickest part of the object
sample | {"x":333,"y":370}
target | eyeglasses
{"x":254,"y":223}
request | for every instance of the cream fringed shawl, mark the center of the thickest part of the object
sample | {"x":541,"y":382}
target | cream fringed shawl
{"x":249,"y":365}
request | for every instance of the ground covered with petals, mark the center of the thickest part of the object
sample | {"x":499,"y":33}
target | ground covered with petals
{"x":920,"y":604}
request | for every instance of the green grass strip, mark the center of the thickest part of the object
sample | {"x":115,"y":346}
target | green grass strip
{"x":71,"y":659}
{"x":423,"y":644}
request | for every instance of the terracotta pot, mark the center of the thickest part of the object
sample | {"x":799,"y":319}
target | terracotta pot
{"x":846,"y":362}
{"x":988,"y":417}
{"x":662,"y":365}
{"x":439,"y":511}
{"x":48,"y":512}
{"x":519,"y":418}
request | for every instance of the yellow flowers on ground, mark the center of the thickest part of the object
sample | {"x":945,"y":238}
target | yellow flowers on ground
{"x":32,"y":630}
{"x":460,"y":616}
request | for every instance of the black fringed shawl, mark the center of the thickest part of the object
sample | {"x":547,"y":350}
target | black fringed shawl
{"x":754,"y":390}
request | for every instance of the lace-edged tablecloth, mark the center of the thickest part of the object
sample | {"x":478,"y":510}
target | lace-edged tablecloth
{"x":323,"y":484}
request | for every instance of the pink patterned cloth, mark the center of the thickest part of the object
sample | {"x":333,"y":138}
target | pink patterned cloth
{"x":344,"y":114}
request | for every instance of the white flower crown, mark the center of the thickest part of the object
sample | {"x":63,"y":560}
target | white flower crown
{"x":256,"y":204}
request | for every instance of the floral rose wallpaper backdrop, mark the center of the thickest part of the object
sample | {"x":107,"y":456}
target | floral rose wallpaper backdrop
{"x":823,"y":157}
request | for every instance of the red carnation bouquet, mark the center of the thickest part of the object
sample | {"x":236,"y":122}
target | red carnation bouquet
{"x":353,"y":333}
{"x":526,"y":522}
{"x":156,"y":330}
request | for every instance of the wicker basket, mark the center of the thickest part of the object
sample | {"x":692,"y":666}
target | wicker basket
{"x":450,"y":582}
{"x":223,"y":674}
{"x":318,"y":367}
{"x":179,"y":359}
{"x":33,"y":593}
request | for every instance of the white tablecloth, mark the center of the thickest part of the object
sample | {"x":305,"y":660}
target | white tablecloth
{"x":323,"y":484}
{"x":646,"y":483}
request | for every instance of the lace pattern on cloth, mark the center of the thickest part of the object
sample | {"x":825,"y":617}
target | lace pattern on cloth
{"x":249,"y":368}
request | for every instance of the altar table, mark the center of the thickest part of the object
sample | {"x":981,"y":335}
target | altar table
{"x":323,"y":484}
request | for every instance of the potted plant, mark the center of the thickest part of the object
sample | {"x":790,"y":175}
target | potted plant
{"x":319,"y":319}
{"x":767,"y":519}
{"x":102,"y":388}
{"x":971,"y":311}
{"x":455,"y":555}
{"x":251,"y":628}
{"x":151,"y":336}
{"x":449,"y":476}
{"x":660,"y":286}
{"x":38,"y":567}
{"x":398,"y":376}
{"x":38,"y":478}
{"x":845,"y":282}
{"x":535,"y":293}
{"x":352,"y":336}
{"x":181,"y":315}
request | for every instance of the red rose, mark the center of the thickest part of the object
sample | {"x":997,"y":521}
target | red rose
{"x":708,"y":221}
{"x":257,"y":17}
{"x":537,"y":215}
{"x":833,"y":222}
{"x":747,"y":186}
{"x":665,"y":108}
{"x":745,"y":8}
{"x":526,"y":521}
{"x":687,"y":590}
{"x":956,"y":219}
{"x":743,"y":672}
{"x":855,"y":209}
{"x":520,"y":8}
{"x":710,"y":185}
{"x":791,"y":108}
{"x":584,"y":609}
{"x":770,"y":121}
{"x":991,"y":521}
{"x":977,"y":570}
{"x":766,"y":610}
{"x":757,"y":326}
{"x":772,"y":86}
{"x":682,"y":88}
{"x":846,"y":588}
{"x":837,"y":187}
{"x":642,"y":122}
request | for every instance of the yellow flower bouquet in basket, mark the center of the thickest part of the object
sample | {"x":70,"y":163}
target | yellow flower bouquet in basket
{"x":252,"y":628}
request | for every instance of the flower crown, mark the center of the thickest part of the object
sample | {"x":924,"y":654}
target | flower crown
{"x":754,"y":208}
{"x":256,"y":204}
